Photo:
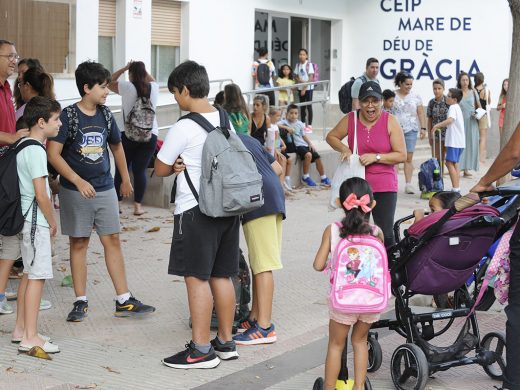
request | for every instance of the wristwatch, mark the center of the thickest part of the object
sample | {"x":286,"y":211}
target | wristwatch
{"x":378,"y":157}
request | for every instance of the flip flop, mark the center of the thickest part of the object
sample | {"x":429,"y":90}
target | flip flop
{"x":19,"y":339}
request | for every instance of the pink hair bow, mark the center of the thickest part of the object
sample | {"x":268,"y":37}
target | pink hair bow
{"x":352,"y":202}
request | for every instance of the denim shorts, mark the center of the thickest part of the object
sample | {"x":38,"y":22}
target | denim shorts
{"x":410,"y":138}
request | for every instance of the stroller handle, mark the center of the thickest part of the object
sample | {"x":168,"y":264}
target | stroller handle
{"x":502,"y":191}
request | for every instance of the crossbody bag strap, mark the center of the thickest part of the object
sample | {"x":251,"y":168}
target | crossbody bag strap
{"x":355,"y":146}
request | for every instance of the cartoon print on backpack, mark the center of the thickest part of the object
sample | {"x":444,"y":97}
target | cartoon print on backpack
{"x":353,"y":264}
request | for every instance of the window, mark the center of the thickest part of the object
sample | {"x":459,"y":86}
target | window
{"x":164,"y":59}
{"x":107,"y":33}
{"x":106,"y":52}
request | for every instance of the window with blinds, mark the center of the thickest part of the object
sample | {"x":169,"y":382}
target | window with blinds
{"x":166,"y":38}
{"x":39,"y":30}
{"x":107,"y":33}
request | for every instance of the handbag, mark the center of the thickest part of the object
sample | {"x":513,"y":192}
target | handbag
{"x":480,"y":114}
{"x":346,"y":170}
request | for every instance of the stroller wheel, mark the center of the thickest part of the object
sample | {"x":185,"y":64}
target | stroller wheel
{"x":318,"y":384}
{"x":368,"y":386}
{"x":409,"y":368}
{"x":495,"y":342}
{"x":375,"y":355}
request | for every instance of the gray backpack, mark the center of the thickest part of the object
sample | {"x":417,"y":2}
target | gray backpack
{"x":230,"y":184}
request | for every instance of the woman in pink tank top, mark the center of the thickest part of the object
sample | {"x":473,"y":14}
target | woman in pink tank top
{"x":381,"y":146}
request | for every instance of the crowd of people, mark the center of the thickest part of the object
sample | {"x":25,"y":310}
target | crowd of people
{"x":73,"y":143}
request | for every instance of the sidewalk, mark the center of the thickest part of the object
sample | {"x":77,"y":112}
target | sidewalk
{"x":105,"y":352}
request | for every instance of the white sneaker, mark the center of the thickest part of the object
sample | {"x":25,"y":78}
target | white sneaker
{"x":11,"y":295}
{"x":409,"y":189}
{"x":47,"y":347}
{"x":45,"y":305}
{"x":287,"y":186}
{"x":5,"y":308}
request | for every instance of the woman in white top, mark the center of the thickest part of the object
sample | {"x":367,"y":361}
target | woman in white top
{"x":409,"y":110}
{"x":138,"y":154}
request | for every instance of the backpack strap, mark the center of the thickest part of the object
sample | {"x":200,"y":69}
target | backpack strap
{"x":73,"y":121}
{"x":206,"y":125}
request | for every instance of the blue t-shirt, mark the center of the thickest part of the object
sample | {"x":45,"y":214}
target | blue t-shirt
{"x":274,"y":198}
{"x":87,"y":154}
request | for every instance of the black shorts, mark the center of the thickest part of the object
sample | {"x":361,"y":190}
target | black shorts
{"x":204,"y":247}
{"x":303,"y":150}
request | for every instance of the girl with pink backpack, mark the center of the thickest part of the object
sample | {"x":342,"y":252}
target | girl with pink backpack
{"x":353,"y":251}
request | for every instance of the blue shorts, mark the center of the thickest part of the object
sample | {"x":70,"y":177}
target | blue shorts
{"x":453,"y":154}
{"x":410,"y":138}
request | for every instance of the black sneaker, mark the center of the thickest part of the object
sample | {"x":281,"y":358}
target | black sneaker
{"x":225,"y":351}
{"x":79,"y":311}
{"x":132,"y":307}
{"x":191,"y":357}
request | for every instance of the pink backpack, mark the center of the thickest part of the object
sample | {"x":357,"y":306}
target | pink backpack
{"x":360,"y":281}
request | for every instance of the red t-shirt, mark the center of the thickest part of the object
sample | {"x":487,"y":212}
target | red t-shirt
{"x":7,"y":116}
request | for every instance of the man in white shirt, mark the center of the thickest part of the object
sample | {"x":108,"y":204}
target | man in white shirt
{"x":204,"y":250}
{"x":371,"y":72}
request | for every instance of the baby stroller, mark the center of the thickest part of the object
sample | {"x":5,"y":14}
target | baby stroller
{"x":437,"y":256}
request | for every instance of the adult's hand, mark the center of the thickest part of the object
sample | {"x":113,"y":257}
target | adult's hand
{"x":367,"y":159}
{"x":480,"y":187}
{"x":22,"y":133}
{"x":345,"y":156}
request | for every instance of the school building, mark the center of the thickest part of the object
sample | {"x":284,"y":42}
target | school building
{"x":429,"y":38}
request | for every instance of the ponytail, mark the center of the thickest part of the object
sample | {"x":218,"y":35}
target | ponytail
{"x":40,"y":81}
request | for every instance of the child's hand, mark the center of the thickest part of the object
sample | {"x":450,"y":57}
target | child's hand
{"x":179,"y":166}
{"x":126,"y":189}
{"x":85,"y":189}
{"x":283,"y":148}
{"x":53,"y":229}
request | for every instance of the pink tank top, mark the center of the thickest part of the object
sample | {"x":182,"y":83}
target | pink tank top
{"x":381,"y":177}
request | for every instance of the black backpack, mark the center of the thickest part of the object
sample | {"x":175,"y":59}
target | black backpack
{"x":263,"y":73}
{"x":11,"y":217}
{"x":345,"y":95}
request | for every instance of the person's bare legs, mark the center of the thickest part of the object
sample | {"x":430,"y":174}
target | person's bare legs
{"x":115,"y":262}
{"x":319,"y":167}
{"x":200,"y":302}
{"x":263,"y":290}
{"x":224,"y":297}
{"x":408,"y":167}
{"x":138,"y":209}
{"x":33,"y":296}
{"x":453,"y":169}
{"x":482,"y":145}
{"x":5,"y":269}
{"x":20,"y":303}
{"x":78,"y":264}
{"x":288,"y":167}
{"x":338,"y":334}
{"x":307,"y":163}
{"x":253,"y":314}
{"x":360,"y":347}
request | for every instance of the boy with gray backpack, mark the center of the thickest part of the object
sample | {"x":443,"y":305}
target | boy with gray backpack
{"x":210,"y":192}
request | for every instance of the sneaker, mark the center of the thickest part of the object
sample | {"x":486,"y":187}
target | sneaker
{"x":308,"y":129}
{"x":287,"y":186}
{"x":11,"y":295}
{"x":409,"y":189}
{"x":5,"y":308}
{"x":326,"y":182}
{"x":79,"y":311}
{"x":45,"y":304}
{"x":308,"y":182}
{"x":245,"y":325}
{"x":225,"y":351}
{"x":256,"y":335}
{"x":191,"y":357}
{"x":132,"y":308}
{"x":47,"y":347}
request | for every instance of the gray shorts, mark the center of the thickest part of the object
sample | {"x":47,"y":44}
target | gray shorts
{"x":37,"y":261}
{"x":78,"y":215}
{"x":10,"y":247}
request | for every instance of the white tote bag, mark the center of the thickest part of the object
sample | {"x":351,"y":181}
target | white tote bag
{"x":346,"y":170}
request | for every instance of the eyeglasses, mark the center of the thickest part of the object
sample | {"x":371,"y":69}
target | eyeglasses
{"x":11,"y":57}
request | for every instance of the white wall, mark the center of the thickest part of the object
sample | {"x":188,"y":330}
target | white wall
{"x":488,"y":43}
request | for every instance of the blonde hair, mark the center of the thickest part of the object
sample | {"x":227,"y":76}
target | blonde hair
{"x":263,"y":100}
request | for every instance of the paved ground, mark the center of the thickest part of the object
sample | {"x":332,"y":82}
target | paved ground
{"x":105,"y":352}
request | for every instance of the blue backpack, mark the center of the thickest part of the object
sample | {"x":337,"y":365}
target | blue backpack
{"x":430,"y":176}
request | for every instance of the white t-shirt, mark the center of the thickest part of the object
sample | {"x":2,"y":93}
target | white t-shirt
{"x":455,"y":137}
{"x":406,"y":111}
{"x":129,"y":96}
{"x":303,"y":71}
{"x":186,"y":139}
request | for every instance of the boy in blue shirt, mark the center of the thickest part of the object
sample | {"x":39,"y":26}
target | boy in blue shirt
{"x":304,"y":147}
{"x":87,"y":195}
{"x":43,"y":118}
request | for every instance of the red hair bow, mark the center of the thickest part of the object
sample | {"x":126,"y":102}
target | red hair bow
{"x":352,"y":202}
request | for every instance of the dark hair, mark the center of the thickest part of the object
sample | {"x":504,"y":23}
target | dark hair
{"x":371,"y":60}
{"x":262,"y":51}
{"x":456,"y":94}
{"x":40,"y":107}
{"x":90,"y":73}
{"x":6,"y":42}
{"x":478,"y":79}
{"x":31,"y":63}
{"x":459,"y":77}
{"x":191,"y":75}
{"x":401,"y":77}
{"x":138,"y":72}
{"x":21,"y":124}
{"x":388,"y":94}
{"x":40,"y":81}
{"x":503,"y":92}
{"x":304,"y":50}
{"x":447,"y":198}
{"x":234,"y":101}
{"x":292,"y":107}
{"x":356,"y":220}
{"x":280,"y":72}
{"x":219,"y":99}
{"x":439,"y":82}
